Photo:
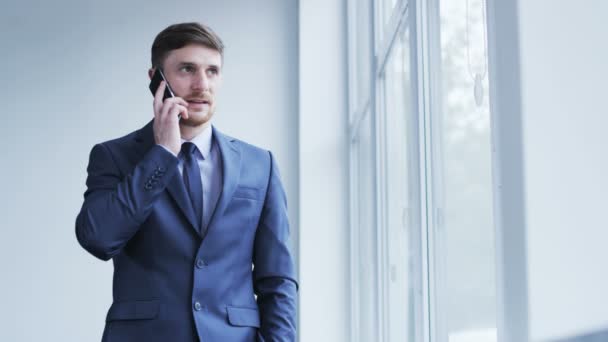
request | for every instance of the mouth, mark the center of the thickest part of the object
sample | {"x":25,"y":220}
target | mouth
{"x":196,"y":101}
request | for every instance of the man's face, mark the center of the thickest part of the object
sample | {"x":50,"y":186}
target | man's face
{"x":194,"y":73}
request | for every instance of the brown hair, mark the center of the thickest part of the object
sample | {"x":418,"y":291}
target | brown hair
{"x":179,"y":35}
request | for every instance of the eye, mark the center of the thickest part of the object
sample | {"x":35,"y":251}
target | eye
{"x":213,"y":71}
{"x":187,"y":68}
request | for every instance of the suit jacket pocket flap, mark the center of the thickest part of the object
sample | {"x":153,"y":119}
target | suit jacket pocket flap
{"x":243,"y":317}
{"x":247,"y":192}
{"x":140,"y":309}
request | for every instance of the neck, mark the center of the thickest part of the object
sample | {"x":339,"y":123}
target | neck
{"x":189,"y":132}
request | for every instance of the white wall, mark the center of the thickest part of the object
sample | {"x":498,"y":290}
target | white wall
{"x":552,"y":151}
{"x":74,"y":73}
{"x":564,"y":89}
{"x":324,"y":237}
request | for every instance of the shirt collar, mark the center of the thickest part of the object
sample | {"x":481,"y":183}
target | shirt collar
{"x":203,"y":141}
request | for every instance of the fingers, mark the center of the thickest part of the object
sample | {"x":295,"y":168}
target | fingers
{"x":175,"y":106}
{"x":177,"y":100}
{"x":161,"y":108}
{"x":171,"y":109}
{"x":177,"y":110}
{"x":158,"y":97}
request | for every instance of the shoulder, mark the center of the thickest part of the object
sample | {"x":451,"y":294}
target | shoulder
{"x":128,"y":148}
{"x":121,"y":146}
{"x":122,"y":141}
{"x":246,"y":149}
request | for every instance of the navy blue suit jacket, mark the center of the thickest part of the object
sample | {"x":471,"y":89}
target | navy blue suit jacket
{"x":172,"y":281}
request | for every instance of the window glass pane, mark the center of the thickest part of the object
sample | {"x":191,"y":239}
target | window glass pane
{"x":363,"y":53}
{"x":367,"y":252}
{"x":463,"y":182}
{"x":386,"y":8}
{"x":402,"y":269}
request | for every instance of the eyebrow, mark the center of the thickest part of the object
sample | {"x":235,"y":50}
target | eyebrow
{"x":181,"y":64}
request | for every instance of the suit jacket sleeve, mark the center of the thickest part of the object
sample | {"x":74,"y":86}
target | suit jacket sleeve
{"x":115,"y":205}
{"x":274,"y":274}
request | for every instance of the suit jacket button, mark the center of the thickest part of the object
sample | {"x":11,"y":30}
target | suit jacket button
{"x":200,"y":263}
{"x":197,"y":306}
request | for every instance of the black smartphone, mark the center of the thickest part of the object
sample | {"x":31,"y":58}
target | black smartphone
{"x":155,"y":82}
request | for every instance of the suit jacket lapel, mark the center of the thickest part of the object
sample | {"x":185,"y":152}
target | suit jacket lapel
{"x":175,"y":185}
{"x":231,"y":170}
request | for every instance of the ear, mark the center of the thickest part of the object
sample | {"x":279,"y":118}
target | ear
{"x":150,"y":72}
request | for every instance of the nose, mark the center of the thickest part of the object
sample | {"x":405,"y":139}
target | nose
{"x":200,"y":82}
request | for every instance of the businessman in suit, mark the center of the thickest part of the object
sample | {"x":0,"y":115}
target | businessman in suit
{"x":195,"y":221}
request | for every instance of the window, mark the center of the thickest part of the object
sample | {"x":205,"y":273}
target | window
{"x":401,"y":251}
{"x":462,"y":179}
{"x":364,"y":236}
{"x":422,"y":236}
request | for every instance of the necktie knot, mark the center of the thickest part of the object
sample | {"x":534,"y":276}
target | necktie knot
{"x":188,"y":149}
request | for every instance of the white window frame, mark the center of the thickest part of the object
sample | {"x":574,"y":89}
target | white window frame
{"x":405,"y":15}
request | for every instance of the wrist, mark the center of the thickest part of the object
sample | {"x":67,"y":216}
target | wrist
{"x":168,"y":149}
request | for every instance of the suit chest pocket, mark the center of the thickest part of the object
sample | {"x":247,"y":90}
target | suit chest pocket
{"x":245,"y":209}
{"x":245,"y":192}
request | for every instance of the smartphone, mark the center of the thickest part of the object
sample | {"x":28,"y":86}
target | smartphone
{"x":155,"y":83}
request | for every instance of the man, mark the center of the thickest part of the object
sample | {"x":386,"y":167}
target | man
{"x":195,"y":221}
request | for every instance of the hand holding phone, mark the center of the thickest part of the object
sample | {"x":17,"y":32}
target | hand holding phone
{"x":167,"y":107}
